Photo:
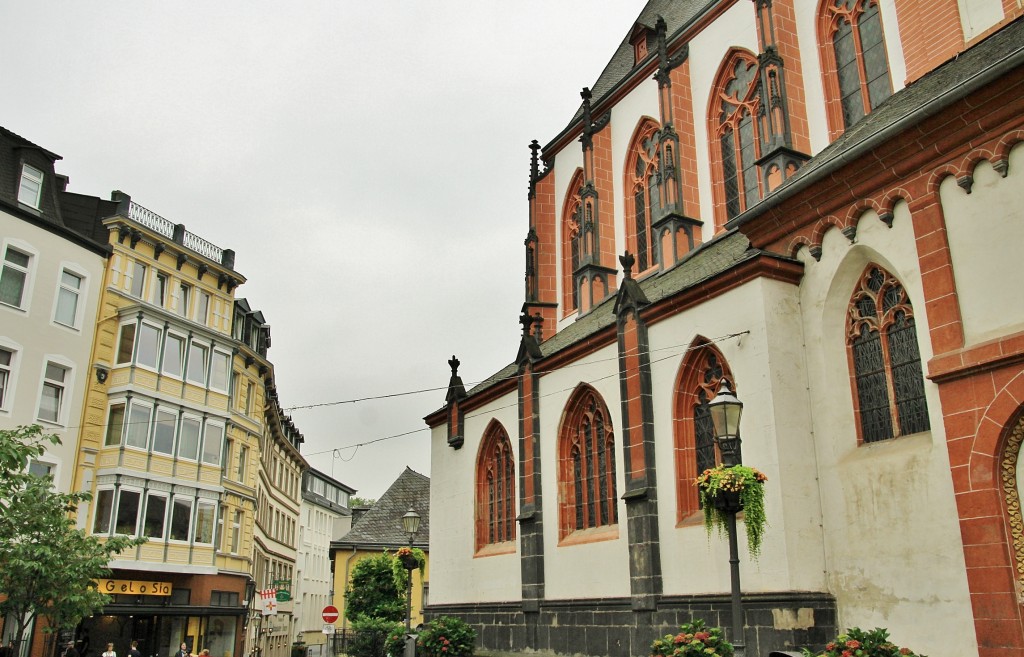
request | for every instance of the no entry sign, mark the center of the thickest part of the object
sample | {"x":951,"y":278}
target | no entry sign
{"x":330,"y":614}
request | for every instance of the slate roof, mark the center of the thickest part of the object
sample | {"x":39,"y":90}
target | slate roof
{"x":706,"y":261}
{"x":677,"y":14}
{"x":381,"y":526}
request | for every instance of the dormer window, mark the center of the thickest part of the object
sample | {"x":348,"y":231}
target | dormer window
{"x":30,"y":191}
{"x":639,"y":41}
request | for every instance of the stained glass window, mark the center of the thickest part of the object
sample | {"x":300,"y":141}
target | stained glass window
{"x":572,"y":241}
{"x":858,"y":45}
{"x":495,"y":489}
{"x":589,"y":491}
{"x":737,"y":133}
{"x":642,"y":179}
{"x":700,"y":378}
{"x":886,"y":359}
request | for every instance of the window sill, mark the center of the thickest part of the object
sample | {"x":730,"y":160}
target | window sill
{"x":495,"y":549}
{"x":692,"y":519}
{"x":591,"y":535}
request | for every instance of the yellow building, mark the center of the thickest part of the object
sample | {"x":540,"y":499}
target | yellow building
{"x":172,"y":419}
{"x":278,"y":500}
{"x":380,"y":528}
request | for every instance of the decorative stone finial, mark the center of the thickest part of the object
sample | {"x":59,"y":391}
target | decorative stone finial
{"x":627,"y":260}
{"x":454,"y":364}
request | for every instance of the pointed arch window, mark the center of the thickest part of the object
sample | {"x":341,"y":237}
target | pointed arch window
{"x":734,"y":107}
{"x":699,"y":379}
{"x":643,"y":199}
{"x":854,"y":49}
{"x":572,"y":223}
{"x":587,"y":487}
{"x":495,"y":489}
{"x":885,"y":359}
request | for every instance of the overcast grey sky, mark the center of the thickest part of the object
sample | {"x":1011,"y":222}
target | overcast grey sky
{"x":367,"y":161}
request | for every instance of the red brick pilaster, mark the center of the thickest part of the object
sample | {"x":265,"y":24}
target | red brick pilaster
{"x":931,"y":33}
{"x":941,"y":303}
{"x":682,"y":118}
{"x":602,"y":177}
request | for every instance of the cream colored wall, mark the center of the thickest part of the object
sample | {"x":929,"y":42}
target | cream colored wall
{"x":36,"y":338}
{"x":985,"y":242}
{"x":769,"y":379}
{"x":461,"y":576}
{"x":569,"y":569}
{"x":889,"y":511}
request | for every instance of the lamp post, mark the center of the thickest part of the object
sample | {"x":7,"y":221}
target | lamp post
{"x":411,"y":524}
{"x":725,"y":411}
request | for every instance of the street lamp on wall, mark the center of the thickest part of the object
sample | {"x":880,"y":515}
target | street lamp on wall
{"x":726,"y":411}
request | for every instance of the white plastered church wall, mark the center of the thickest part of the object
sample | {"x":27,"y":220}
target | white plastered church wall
{"x":897,"y":492}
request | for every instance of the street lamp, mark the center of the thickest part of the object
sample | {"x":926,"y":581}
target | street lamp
{"x":411,"y":524}
{"x":725,"y":411}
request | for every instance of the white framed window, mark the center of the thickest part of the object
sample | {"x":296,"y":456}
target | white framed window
{"x":196,"y":369}
{"x":30,"y":189}
{"x":181,"y":519}
{"x":138,"y":279}
{"x":38,"y":468}
{"x":115,"y":424}
{"x":15,"y":277}
{"x":236,"y":531}
{"x":125,"y":343}
{"x":69,"y":288}
{"x":202,"y":308}
{"x":160,"y":289}
{"x":184,"y":299}
{"x":147,"y":353}
{"x":8,"y":358}
{"x":188,"y":438}
{"x":206,"y":518}
{"x":129,"y":504}
{"x":220,"y":371}
{"x":213,"y":443}
{"x":56,"y":378}
{"x":174,"y":355}
{"x":104,"y":511}
{"x":164,"y":430}
{"x":155,"y":518}
{"x":243,"y":458}
{"x":136,"y":434}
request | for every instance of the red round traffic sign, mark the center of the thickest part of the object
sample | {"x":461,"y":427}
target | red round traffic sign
{"x":330,"y":614}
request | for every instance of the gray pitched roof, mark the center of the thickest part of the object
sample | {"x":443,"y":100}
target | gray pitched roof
{"x":677,"y":14}
{"x":381,"y":526}
{"x":706,"y":261}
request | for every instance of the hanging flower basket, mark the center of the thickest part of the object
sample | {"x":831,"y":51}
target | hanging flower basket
{"x":407,"y":560}
{"x":726,"y":490}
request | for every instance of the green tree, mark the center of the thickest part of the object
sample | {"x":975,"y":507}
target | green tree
{"x":372,"y":591}
{"x":361,"y":501}
{"x":48,"y":567}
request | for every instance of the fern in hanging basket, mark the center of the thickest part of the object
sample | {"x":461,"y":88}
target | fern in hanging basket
{"x":731,"y":488}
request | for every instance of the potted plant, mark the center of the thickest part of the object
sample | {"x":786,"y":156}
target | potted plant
{"x":856,"y":642}
{"x":729,"y":489}
{"x":693,"y":640}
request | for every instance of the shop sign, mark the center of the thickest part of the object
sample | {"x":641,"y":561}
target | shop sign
{"x":132,"y":587}
{"x":283,"y":587}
